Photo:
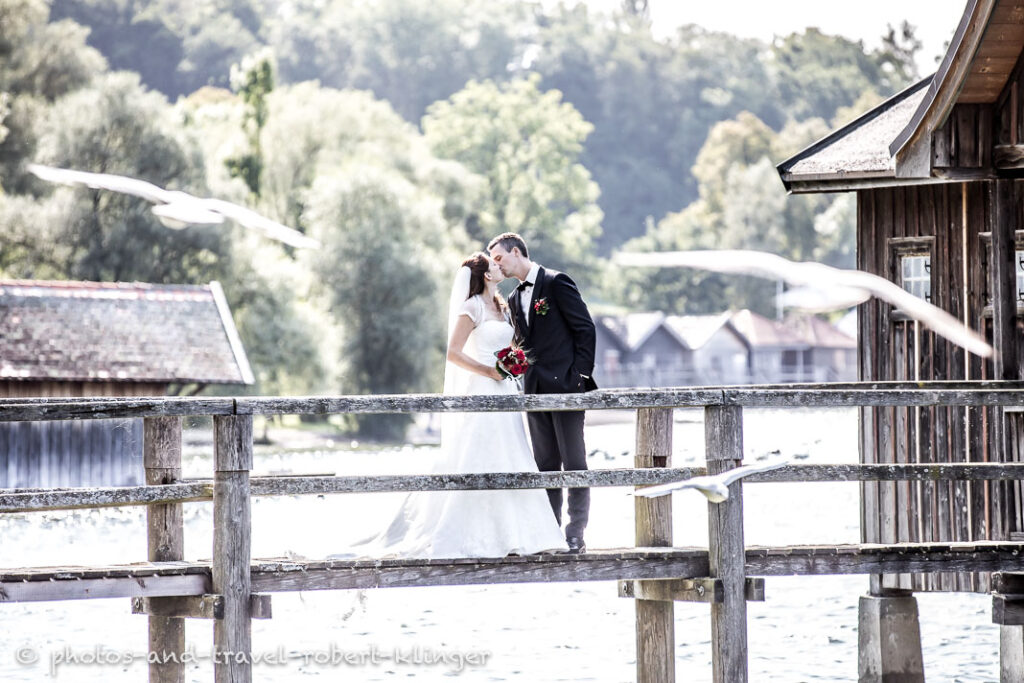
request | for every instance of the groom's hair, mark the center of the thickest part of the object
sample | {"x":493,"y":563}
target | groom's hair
{"x":507,"y":240}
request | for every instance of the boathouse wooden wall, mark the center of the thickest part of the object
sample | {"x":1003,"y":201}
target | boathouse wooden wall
{"x":42,"y":453}
{"x":950,"y":222}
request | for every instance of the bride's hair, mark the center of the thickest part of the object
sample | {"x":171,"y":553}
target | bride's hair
{"x":478,"y":265}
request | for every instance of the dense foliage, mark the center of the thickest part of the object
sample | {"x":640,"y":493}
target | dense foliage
{"x":403,"y":134}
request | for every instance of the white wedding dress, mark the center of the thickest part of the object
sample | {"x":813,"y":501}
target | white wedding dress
{"x":493,"y":523}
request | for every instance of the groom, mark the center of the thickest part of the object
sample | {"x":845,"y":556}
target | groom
{"x":554,"y":326}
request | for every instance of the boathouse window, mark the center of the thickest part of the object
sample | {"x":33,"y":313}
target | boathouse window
{"x":910,"y":260}
{"x":1018,"y":254}
{"x":916,"y":275}
{"x":1019,"y":259}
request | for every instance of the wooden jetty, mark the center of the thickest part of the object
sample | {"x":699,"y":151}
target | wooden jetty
{"x":233,"y":588}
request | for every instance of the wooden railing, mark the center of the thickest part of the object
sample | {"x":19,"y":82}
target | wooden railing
{"x":233,"y":588}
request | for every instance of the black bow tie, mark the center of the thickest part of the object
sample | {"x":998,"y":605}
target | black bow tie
{"x":523,"y":285}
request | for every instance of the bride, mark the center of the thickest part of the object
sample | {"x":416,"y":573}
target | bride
{"x":490,"y":523}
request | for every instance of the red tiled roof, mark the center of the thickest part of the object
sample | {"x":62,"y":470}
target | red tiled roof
{"x":759,"y":331}
{"x":820,"y":333}
{"x":130,"y":332}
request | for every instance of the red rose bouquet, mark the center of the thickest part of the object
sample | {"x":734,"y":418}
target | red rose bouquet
{"x":512,"y":362}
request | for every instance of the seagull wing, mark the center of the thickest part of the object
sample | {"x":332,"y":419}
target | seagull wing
{"x":181,"y":214}
{"x":739,"y":261}
{"x":917,"y":308}
{"x":699,"y":483}
{"x":822,"y":300}
{"x":104,"y":181}
{"x":737,"y":473}
{"x":817,"y":275}
{"x":250,"y":219}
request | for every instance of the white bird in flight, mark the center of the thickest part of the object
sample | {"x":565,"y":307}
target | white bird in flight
{"x":840,"y":287}
{"x":177,"y":209}
{"x":714,"y":487}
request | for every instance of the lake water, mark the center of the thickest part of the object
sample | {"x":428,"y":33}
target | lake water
{"x":806,"y":630}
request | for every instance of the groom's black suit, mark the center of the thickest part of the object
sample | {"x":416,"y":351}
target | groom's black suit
{"x":560,"y":344}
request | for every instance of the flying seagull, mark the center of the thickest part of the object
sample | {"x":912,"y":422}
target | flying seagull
{"x":714,"y":487}
{"x":178,"y":209}
{"x":839,"y":286}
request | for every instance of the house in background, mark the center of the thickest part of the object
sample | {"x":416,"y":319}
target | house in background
{"x":654,"y":349}
{"x":833,"y":352}
{"x":777,"y":353}
{"x":104,"y":339}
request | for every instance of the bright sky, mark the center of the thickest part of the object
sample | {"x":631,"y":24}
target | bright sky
{"x":866,"y":20}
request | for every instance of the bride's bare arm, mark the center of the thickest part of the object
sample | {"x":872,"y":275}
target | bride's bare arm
{"x":463,"y":326}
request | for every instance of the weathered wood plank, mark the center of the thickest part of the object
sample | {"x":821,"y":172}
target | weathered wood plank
{"x":232,"y":540}
{"x":1009,"y":393}
{"x":207,"y":606}
{"x":112,"y":587}
{"x":165,"y":535}
{"x":704,"y":589}
{"x":723,"y":445}
{"x":202,"y":490}
{"x":24,"y":409}
{"x":277,"y":575}
{"x":655,"y":619}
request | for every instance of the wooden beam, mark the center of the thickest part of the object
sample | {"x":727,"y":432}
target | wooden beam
{"x":165,"y":537}
{"x":71,"y":499}
{"x":107,"y":587}
{"x":285,"y":575}
{"x":804,"y":395}
{"x":703,"y":589}
{"x":1008,"y":610}
{"x":723,"y":447}
{"x":232,"y":529}
{"x":655,"y":619}
{"x":209,"y":606}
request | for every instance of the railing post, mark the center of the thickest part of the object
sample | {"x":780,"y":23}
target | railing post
{"x":655,"y":619}
{"x":161,"y":457}
{"x":723,"y":441}
{"x":232,"y":634}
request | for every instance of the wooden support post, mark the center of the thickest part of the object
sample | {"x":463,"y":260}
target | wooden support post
{"x":232,"y":634}
{"x":161,"y":457}
{"x":655,"y":619}
{"x":1003,"y":285}
{"x":723,"y":443}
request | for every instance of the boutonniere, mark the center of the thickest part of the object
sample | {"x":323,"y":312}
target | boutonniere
{"x":540,"y":306}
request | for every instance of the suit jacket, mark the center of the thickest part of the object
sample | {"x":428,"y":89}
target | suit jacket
{"x":561,"y":342}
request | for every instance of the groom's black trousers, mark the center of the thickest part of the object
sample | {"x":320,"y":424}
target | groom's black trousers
{"x":557,"y":445}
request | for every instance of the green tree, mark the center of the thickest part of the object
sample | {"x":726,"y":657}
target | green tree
{"x":118,"y":127}
{"x":526,"y":144}
{"x":39,"y":62}
{"x":253,"y":79}
{"x":818,"y":73}
{"x":408,"y":52}
{"x":377,"y":269}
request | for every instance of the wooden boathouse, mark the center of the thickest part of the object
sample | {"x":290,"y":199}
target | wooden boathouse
{"x":938,"y":171}
{"x":104,"y":339}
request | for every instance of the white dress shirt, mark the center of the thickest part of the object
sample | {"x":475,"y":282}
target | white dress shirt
{"x":526,"y":296}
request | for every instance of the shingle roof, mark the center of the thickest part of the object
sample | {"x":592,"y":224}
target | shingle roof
{"x":130,"y":332}
{"x":696,"y":330}
{"x":858,"y":150}
{"x":760,"y":332}
{"x":819,"y":333}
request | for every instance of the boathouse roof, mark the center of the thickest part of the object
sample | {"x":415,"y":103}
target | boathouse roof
{"x":894,"y":143}
{"x":118,"y":332}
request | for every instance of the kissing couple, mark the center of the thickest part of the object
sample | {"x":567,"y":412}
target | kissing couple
{"x":547,"y":317}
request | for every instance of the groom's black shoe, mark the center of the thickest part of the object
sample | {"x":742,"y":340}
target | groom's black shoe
{"x":576,"y":545}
